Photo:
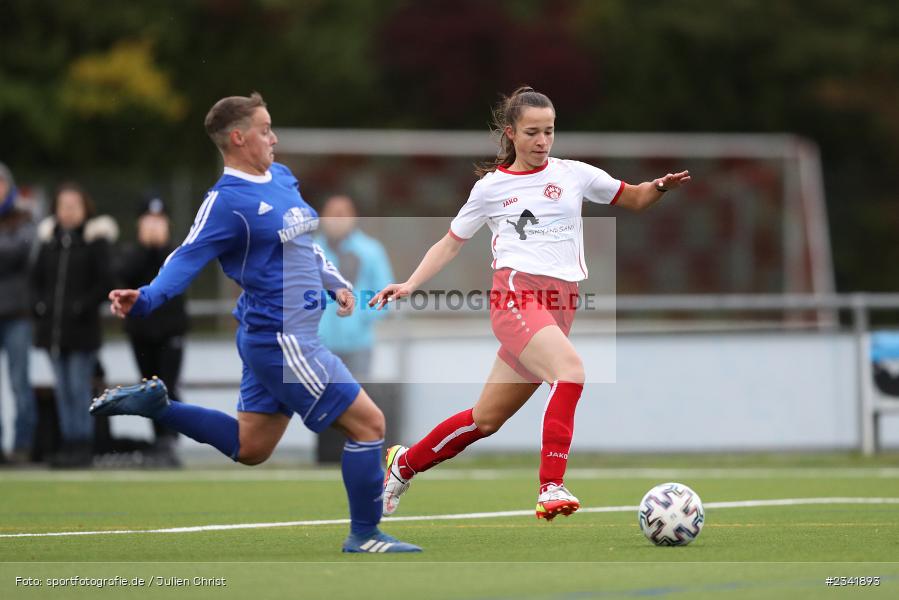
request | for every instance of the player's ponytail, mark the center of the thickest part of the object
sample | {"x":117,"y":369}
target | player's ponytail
{"x":506,"y":113}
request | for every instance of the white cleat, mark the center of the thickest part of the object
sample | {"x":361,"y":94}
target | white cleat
{"x":556,"y":500}
{"x":394,"y":485}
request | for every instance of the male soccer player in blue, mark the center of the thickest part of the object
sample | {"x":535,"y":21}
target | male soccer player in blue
{"x":257,"y":224}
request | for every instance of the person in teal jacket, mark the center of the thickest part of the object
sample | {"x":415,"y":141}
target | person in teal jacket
{"x":364,"y":262}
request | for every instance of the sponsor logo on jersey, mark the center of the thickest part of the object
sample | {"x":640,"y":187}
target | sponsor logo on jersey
{"x":297,"y":221}
{"x":509,"y":201}
{"x":529,"y":226}
{"x":264,"y":207}
{"x":552,"y":191}
{"x":526,"y":218}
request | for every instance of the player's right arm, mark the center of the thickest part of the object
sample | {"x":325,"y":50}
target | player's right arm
{"x":437,"y":257}
{"x":122,"y":301}
{"x":215,"y":228}
{"x":470,"y":218}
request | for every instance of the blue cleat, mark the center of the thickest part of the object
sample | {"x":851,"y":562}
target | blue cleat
{"x":376,"y":543}
{"x":146,"y":399}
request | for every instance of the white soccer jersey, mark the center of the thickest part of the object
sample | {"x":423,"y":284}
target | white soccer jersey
{"x":535,"y":216}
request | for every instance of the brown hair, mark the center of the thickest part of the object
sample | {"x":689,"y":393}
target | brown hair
{"x":228,"y":113}
{"x":90,"y":210}
{"x":506,"y":113}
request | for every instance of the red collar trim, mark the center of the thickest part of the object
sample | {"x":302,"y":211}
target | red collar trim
{"x":504,"y":169}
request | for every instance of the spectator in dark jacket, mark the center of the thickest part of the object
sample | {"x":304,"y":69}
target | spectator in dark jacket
{"x":16,"y":238}
{"x":157,"y":340}
{"x":69,"y":281}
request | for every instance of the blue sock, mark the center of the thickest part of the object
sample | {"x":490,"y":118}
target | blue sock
{"x":363,"y":478}
{"x":205,"y":425}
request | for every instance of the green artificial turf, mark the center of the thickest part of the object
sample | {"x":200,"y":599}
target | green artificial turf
{"x":767,"y":551}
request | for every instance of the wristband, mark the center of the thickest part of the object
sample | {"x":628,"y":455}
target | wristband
{"x":660,"y":188}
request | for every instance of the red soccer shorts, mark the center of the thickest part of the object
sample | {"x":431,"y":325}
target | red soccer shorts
{"x":522,"y":304}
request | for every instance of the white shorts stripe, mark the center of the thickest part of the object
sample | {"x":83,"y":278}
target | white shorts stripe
{"x":291,"y":362}
{"x":453,"y":435}
{"x":311,"y":377}
{"x":288,"y":356}
{"x":511,"y":283}
{"x":291,"y":339}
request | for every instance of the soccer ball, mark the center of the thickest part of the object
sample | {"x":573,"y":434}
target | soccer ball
{"x":671,"y":514}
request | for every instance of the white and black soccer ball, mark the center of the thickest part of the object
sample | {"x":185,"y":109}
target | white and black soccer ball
{"x":671,"y":514}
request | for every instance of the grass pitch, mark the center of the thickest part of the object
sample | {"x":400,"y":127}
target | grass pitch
{"x":743,"y":551}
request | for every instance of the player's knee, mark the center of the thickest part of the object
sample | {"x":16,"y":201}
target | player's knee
{"x":378,"y":426}
{"x":487,"y":425}
{"x":252,"y":454}
{"x":571,"y":370}
{"x":370,"y":429}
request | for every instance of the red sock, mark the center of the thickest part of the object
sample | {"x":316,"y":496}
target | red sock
{"x":558,"y":427}
{"x":445,"y":441}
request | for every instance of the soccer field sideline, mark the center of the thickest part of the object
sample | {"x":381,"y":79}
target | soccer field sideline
{"x":459,"y":516}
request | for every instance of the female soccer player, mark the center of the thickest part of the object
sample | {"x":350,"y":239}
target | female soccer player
{"x":536,"y":270}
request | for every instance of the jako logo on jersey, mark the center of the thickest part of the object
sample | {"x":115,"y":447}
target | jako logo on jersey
{"x":509,"y":201}
{"x":297,"y":221}
{"x":526,"y":218}
{"x":264,"y":207}
{"x":557,"y":455}
{"x":552,"y":191}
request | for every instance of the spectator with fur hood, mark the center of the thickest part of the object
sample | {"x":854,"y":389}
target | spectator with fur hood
{"x":69,"y":280}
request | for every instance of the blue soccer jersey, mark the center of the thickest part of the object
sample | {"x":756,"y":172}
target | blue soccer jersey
{"x":259,"y":227}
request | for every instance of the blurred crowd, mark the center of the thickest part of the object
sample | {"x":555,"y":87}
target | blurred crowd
{"x":55,"y":272}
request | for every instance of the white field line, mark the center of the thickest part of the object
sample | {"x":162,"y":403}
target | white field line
{"x":453,"y":517}
{"x":239,"y":474}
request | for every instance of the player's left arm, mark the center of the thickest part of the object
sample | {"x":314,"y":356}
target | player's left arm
{"x":335,"y":284}
{"x":642,"y":196}
{"x":346,"y":302}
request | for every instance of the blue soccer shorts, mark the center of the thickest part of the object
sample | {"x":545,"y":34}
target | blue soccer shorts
{"x":283,"y":375}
